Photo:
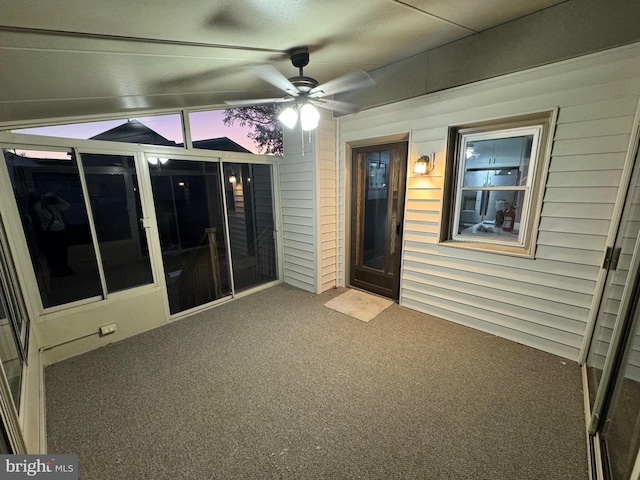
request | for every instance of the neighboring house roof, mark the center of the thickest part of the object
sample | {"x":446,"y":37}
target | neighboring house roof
{"x":221,"y":143}
{"x":134,"y":132}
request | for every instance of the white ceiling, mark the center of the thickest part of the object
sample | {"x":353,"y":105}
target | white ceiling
{"x":86,"y":57}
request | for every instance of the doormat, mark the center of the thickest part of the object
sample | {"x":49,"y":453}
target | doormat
{"x":357,"y":304}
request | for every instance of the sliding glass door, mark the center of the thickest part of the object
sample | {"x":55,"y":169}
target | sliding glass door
{"x":251,"y":223}
{"x":82,"y":217}
{"x":613,"y":361}
{"x":189,"y":210}
{"x":209,"y":252}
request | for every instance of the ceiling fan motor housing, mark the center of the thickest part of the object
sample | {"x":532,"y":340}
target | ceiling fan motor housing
{"x":299,"y":57}
{"x":304,"y":84}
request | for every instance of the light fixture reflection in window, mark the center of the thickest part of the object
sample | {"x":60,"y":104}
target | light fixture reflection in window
{"x":155,"y":160}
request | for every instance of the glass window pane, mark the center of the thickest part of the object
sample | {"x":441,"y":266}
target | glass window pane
{"x":115,"y":204}
{"x":11,"y":362}
{"x":5,"y":444}
{"x":491,"y":214}
{"x":620,"y":429}
{"x":188,"y":203}
{"x":251,"y":224}
{"x":9,"y":278}
{"x":46,"y":185}
{"x":155,"y":130}
{"x":497,"y":162}
{"x":260,"y":132}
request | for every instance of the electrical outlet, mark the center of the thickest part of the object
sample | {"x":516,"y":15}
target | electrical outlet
{"x":107,"y":329}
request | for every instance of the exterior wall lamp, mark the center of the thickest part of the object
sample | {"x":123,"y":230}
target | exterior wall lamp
{"x":424,"y":164}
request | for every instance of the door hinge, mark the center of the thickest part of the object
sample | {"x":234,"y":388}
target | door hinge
{"x":611,"y":257}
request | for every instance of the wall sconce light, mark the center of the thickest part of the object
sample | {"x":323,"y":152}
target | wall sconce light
{"x":232,"y":178}
{"x":424,"y":164}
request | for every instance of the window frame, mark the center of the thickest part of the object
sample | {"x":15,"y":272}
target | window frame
{"x":465,"y":140}
{"x":542,"y":125}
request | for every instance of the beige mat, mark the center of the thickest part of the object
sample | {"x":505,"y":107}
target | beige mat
{"x":357,"y":304}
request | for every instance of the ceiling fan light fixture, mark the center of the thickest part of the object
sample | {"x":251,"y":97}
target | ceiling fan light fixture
{"x":288,"y":117}
{"x":309,"y":117}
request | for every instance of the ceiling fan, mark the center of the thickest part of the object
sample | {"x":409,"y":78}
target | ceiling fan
{"x":305,"y":92}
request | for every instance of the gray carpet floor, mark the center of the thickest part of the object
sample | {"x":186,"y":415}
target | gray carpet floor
{"x":275,"y":385}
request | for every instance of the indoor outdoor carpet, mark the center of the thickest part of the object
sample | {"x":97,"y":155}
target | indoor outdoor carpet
{"x":274,"y":385}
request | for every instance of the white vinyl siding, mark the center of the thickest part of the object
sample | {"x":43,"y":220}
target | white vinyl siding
{"x":308,"y":199}
{"x":327,"y":203}
{"x":297,"y":187}
{"x":543,"y":302}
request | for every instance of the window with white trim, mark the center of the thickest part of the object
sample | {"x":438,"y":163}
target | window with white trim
{"x":495,"y":193}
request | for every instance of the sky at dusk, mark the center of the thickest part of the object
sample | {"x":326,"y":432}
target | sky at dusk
{"x":204,"y":125}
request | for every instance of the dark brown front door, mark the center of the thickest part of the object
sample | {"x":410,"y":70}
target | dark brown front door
{"x":377,"y":205}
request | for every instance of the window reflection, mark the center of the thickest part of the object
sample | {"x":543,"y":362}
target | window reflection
{"x":250,"y":210}
{"x":54,"y":218}
{"x":188,"y":202}
{"x":9,"y":355}
{"x":115,"y":205}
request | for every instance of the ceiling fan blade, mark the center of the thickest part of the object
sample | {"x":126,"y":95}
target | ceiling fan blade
{"x":269,"y":74}
{"x":257,"y":101}
{"x":338,"y":106}
{"x":349,"y":81}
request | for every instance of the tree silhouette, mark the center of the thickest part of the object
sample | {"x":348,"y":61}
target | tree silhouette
{"x":266,"y":130}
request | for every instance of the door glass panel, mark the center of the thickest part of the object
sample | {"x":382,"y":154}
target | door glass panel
{"x":620,"y":429}
{"x":47,"y":189}
{"x":248,"y":190}
{"x":613,"y":361}
{"x":617,"y":278}
{"x":115,"y":205}
{"x":11,"y":363}
{"x":188,"y":203}
{"x":376,"y":209}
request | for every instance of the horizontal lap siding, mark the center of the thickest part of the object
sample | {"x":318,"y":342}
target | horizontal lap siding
{"x":327,"y":220}
{"x":297,"y":203}
{"x":542,"y":302}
